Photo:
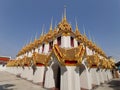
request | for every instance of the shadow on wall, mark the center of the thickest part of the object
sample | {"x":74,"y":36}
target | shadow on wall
{"x":6,"y":87}
{"x":115,"y":84}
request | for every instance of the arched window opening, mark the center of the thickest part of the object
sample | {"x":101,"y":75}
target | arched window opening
{"x":72,"y":41}
{"x":59,"y":40}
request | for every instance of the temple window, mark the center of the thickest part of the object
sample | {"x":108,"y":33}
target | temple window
{"x":43,"y":47}
{"x":72,"y":41}
{"x":59,"y":40}
{"x":50,"y":45}
{"x":78,"y":43}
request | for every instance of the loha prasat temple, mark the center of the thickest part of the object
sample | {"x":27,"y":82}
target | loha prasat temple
{"x":62,"y":59}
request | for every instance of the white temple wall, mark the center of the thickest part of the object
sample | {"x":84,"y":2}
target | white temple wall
{"x":40,"y":49}
{"x":49,"y":80}
{"x":85,"y":77}
{"x":75,"y":43}
{"x":94,"y":76}
{"x":46,"y":48}
{"x":39,"y":75}
{"x":65,"y":42}
{"x":70,"y":79}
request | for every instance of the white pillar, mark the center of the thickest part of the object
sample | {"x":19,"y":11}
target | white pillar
{"x":95,"y":76}
{"x":70,"y":79}
{"x":25,"y":72}
{"x":101,"y":76}
{"x":30,"y":74}
{"x":85,"y":78}
{"x":105,"y":75}
{"x":49,"y":79}
{"x":39,"y":75}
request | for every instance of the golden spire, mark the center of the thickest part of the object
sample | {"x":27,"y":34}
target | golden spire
{"x":76,"y":26}
{"x":35,"y":36}
{"x":90,"y":37}
{"x":77,"y":30}
{"x":84,"y":30}
{"x":51,"y":24}
{"x":64,"y":13}
{"x":42,"y":33}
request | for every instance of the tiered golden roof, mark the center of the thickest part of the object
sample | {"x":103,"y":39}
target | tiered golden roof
{"x":93,"y":61}
{"x":74,"y":55}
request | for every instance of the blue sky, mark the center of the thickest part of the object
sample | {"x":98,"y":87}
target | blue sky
{"x":20,"y":20}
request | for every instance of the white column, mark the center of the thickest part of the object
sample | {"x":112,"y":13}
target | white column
{"x":95,"y":76}
{"x":85,"y":78}
{"x":101,"y":76}
{"x":70,"y":79}
{"x":105,"y":75}
{"x":39,"y":75}
{"x":46,"y":48}
{"x":49,"y":79}
{"x":75,"y":43}
{"x":29,"y":74}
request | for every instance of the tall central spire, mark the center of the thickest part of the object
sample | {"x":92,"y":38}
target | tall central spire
{"x":64,"y":12}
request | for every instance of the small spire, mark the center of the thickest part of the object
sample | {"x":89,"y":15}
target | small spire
{"x":90,"y":37}
{"x":55,"y":25}
{"x":36,"y":36}
{"x":51,"y":24}
{"x":93,"y":39}
{"x":76,"y":25}
{"x":31,"y":40}
{"x":62,"y":16}
{"x":84,"y":30}
{"x":64,"y":12}
{"x":42,"y":33}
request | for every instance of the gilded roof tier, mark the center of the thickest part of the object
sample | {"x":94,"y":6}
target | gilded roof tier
{"x":62,"y":29}
{"x":73,"y":54}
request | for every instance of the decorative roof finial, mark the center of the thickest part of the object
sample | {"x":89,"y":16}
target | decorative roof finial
{"x":93,"y":39}
{"x":76,"y":25}
{"x":90,"y":37}
{"x":64,"y":12}
{"x":51,"y":24}
{"x":84,"y":30}
{"x":36,"y":36}
{"x":42,"y":33}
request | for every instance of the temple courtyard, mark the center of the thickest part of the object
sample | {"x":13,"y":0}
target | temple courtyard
{"x":11,"y":82}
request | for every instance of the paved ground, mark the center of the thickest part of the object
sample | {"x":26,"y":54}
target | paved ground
{"x":111,"y":85}
{"x":11,"y":82}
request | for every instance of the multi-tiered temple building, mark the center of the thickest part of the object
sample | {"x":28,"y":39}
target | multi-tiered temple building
{"x":62,"y":59}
